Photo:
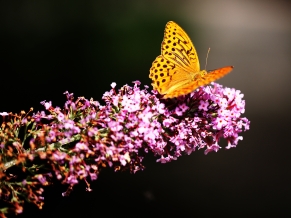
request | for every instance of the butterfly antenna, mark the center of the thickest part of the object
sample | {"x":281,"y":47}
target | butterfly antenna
{"x":207,"y":57}
{"x":206,"y":65}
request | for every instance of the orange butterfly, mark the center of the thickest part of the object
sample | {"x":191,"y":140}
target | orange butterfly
{"x":177,"y":70}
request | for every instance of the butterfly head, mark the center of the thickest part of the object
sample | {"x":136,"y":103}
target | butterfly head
{"x":197,"y":75}
{"x":203,"y":73}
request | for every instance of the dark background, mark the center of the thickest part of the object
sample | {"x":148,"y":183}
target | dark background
{"x":48,"y":47}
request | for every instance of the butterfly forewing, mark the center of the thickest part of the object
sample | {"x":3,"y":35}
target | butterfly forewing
{"x":178,"y":48}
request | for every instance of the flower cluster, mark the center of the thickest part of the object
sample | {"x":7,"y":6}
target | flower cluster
{"x":75,"y":142}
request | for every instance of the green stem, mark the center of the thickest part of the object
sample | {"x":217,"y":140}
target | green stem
{"x":50,"y":146}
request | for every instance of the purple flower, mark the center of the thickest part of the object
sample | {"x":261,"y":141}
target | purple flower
{"x":133,"y":119}
{"x":203,"y":105}
{"x":41,"y":178}
{"x":47,"y":105}
{"x":169,"y":127}
{"x":82,"y":137}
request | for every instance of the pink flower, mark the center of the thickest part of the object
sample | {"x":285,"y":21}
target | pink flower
{"x":134,"y":122}
{"x":4,"y":114}
{"x":203,"y":105}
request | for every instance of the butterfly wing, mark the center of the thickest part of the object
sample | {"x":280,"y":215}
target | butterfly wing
{"x":167,"y":76}
{"x":176,"y":90}
{"x":178,"y":48}
{"x":178,"y":59}
{"x":213,"y":75}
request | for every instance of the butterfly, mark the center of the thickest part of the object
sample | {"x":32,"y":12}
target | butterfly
{"x":177,"y":70}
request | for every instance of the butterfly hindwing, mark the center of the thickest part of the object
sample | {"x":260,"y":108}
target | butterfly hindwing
{"x":213,"y":75}
{"x":187,"y":85}
{"x":161,"y":74}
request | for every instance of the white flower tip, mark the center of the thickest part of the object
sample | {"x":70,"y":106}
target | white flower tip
{"x":113,"y":85}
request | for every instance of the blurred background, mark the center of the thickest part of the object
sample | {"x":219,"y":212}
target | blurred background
{"x":48,"y":47}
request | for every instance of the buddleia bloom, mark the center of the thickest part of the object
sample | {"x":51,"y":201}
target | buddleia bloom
{"x":74,"y":142}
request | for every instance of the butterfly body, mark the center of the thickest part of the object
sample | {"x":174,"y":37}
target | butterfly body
{"x":177,"y":70}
